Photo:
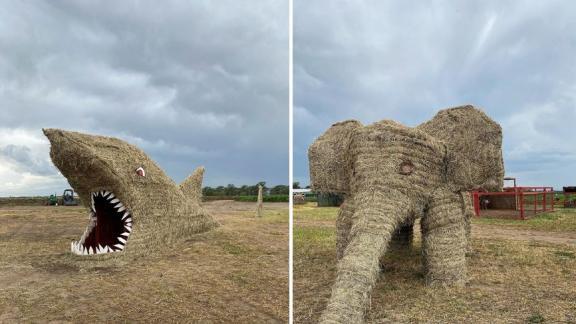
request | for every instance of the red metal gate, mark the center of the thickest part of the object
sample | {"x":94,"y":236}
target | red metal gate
{"x":514,"y":202}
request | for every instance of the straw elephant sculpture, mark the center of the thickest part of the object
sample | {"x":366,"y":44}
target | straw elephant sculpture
{"x":391,"y":175}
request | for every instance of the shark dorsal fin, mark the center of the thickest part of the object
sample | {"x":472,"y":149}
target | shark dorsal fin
{"x":192,"y":186}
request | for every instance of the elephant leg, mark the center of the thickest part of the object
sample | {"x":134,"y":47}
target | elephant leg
{"x":343,"y":226}
{"x":468,"y":209}
{"x":373,"y":224}
{"x":444,"y":240}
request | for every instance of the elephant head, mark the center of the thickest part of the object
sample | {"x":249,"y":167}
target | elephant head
{"x":390,"y":174}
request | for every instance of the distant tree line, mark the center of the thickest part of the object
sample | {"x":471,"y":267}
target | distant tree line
{"x":232,"y":190}
{"x":296,"y":185}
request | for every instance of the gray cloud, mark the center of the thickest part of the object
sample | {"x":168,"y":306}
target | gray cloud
{"x":190,"y":82}
{"x":404,"y":60}
{"x":22,"y":157}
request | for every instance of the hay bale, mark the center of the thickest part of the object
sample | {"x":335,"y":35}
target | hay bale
{"x":299,"y":199}
{"x":329,"y":169}
{"x":474,"y":144}
{"x":259,"y":207}
{"x":391,"y":175}
{"x":161,"y":213}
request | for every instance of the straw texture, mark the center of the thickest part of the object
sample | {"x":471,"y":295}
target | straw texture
{"x":329,"y":159}
{"x":474,"y":143}
{"x":162,"y":213}
{"x":392,"y":175}
{"x":259,"y":208}
{"x":192,"y":186}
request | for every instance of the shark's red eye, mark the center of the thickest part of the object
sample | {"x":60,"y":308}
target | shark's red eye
{"x":140,"y":171}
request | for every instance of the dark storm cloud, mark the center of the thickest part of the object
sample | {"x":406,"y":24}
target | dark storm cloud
{"x":190,"y":82}
{"x":404,"y":60}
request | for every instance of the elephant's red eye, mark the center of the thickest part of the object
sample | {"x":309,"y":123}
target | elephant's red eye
{"x":140,"y":171}
{"x":406,"y":167}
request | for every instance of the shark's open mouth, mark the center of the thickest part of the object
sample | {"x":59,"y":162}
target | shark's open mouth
{"x":109,"y":228}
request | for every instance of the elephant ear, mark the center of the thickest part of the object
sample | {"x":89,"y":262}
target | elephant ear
{"x":474,"y":148}
{"x":328,"y":158}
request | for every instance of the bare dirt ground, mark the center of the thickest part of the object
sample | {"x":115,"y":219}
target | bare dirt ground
{"x":236,"y":273}
{"x":516,"y":275}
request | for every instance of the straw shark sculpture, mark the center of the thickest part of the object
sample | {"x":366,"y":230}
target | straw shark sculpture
{"x":134,"y":208}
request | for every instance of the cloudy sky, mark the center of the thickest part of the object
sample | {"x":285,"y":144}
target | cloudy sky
{"x":404,"y":60}
{"x":190,"y":82}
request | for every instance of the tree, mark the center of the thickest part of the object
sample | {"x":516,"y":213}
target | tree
{"x":296,"y":185}
{"x":280,"y":190}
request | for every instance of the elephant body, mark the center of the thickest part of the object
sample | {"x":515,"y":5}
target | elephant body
{"x":391,"y":175}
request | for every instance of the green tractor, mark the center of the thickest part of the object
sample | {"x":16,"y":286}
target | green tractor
{"x":53,"y":200}
{"x":68,"y":199}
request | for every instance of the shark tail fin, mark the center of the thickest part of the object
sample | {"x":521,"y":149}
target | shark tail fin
{"x":192,"y":186}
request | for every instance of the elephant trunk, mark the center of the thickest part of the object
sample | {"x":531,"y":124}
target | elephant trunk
{"x":375,"y":222}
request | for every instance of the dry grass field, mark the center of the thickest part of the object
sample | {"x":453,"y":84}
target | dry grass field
{"x":520,"y":272}
{"x":236,"y":273}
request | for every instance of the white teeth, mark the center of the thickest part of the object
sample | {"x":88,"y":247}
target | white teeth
{"x":120,"y":246}
{"x":125,"y":215}
{"x":107,"y":249}
{"x":115,"y":200}
{"x":72,"y":247}
{"x":121,"y":239}
{"x":125,"y":234}
{"x":128,"y":228}
{"x":106,"y":193}
{"x":110,"y":196}
{"x":102,"y":193}
{"x":128,"y":220}
{"x":120,"y":207}
{"x":84,"y":251}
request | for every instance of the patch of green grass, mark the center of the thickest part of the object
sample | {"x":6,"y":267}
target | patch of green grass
{"x":561,"y":220}
{"x":566,"y":254}
{"x":535,"y":318}
{"x":273,"y":216}
{"x":234,"y":249}
{"x":309,"y":211}
{"x":269,"y":198}
{"x":314,"y":237}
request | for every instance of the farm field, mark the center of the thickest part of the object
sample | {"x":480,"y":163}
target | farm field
{"x":519,"y":272}
{"x":235,"y":273}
